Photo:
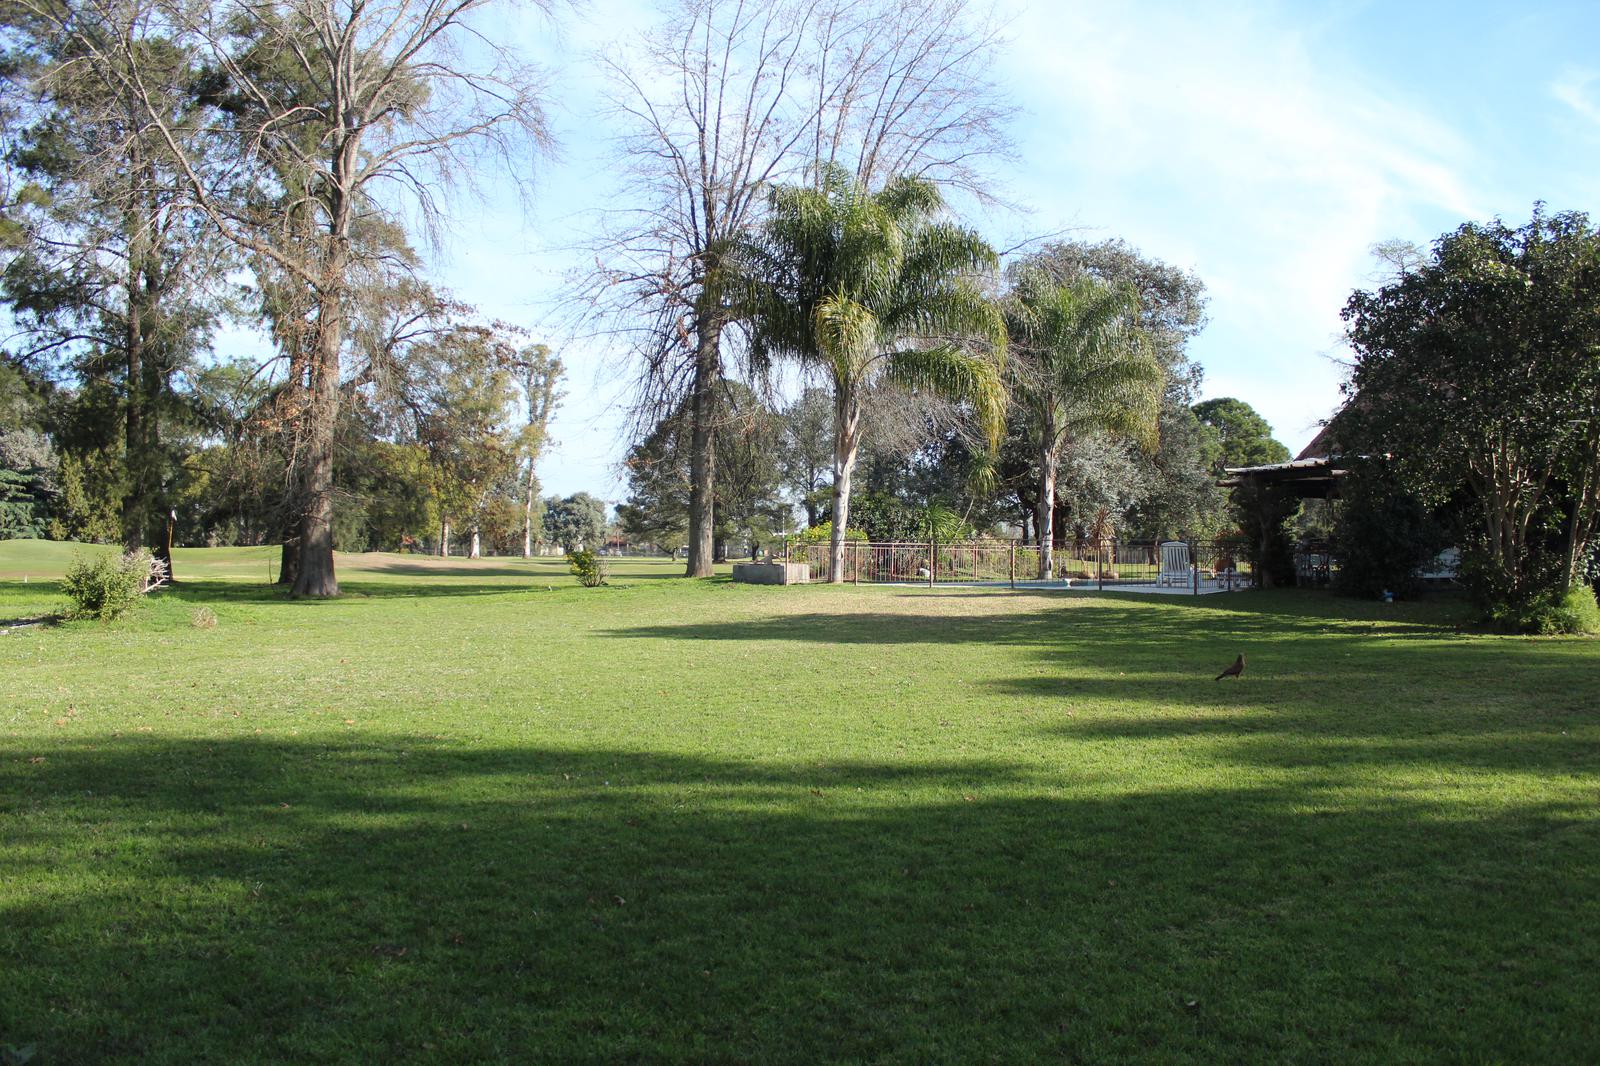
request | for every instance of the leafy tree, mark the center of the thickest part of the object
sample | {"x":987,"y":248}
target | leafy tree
{"x":538,"y":374}
{"x":1080,"y":365}
{"x":28,"y":483}
{"x":112,"y":280}
{"x":87,"y":509}
{"x":1181,"y":496}
{"x":806,"y":455}
{"x":378,"y":107}
{"x":1479,"y":370}
{"x":860,"y":286}
{"x":576,"y":522}
{"x":748,"y":478}
{"x":461,"y":396}
{"x":1171,"y":301}
{"x":1244,"y":436}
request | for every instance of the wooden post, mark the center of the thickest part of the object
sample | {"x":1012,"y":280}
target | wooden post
{"x":1100,"y":566}
{"x":933,"y":558}
{"x":1194,"y":565}
{"x":1013,"y":564}
{"x":855,"y":566}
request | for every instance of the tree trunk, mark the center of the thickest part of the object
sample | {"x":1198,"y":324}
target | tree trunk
{"x":702,"y":453}
{"x":847,"y":439}
{"x":289,"y":561}
{"x":136,"y":500}
{"x":1045,"y":517}
{"x":473,"y":551}
{"x":719,"y":549}
{"x":444,"y":539}
{"x":316,"y":577}
{"x":527,"y":518}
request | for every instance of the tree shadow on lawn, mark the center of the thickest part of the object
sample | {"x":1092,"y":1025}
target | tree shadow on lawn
{"x":1446,"y":609}
{"x":394,"y":898}
{"x":1123,"y":622}
{"x":215,"y":591}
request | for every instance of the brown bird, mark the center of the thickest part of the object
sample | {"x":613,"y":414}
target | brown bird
{"x":1233,"y":671}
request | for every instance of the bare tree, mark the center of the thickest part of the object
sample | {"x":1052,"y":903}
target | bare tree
{"x":726,"y":98}
{"x":338,"y":111}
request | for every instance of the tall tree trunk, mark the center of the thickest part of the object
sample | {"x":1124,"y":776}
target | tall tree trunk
{"x":135,"y":501}
{"x":444,"y":539}
{"x":1045,"y":517}
{"x":316,"y":576}
{"x":473,"y":551}
{"x":1045,"y":520}
{"x":847,"y":440}
{"x":527,"y":518}
{"x":702,"y":448}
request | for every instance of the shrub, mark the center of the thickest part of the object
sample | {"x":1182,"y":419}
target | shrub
{"x":106,"y":586}
{"x":588,"y":567}
{"x":1574,"y":611}
{"x":1384,"y":536}
{"x":822,"y":533}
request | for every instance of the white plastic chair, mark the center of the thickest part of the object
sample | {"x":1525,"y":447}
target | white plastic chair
{"x":1174,"y":563}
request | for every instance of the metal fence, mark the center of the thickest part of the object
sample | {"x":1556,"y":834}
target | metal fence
{"x":1173,"y":566}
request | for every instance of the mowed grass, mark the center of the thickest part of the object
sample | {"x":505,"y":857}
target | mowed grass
{"x":474,"y":813}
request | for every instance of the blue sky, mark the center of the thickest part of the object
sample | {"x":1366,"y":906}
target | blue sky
{"x":1265,"y":146}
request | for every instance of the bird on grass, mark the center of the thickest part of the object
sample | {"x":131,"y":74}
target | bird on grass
{"x":1233,"y":671}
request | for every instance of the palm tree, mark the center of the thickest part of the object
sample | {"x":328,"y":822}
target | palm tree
{"x":865,"y":287}
{"x":1080,"y":366}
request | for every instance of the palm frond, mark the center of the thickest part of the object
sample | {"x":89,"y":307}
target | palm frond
{"x":957,"y":374}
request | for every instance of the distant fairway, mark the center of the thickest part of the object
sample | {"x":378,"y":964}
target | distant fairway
{"x":471,"y":812}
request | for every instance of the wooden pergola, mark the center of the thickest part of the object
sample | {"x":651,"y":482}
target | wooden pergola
{"x":1309,"y":479}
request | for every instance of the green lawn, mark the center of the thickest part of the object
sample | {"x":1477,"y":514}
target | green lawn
{"x":474,"y":813}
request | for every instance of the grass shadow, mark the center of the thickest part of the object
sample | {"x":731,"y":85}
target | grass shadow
{"x":393,"y":897}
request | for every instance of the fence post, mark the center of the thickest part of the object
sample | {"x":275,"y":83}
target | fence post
{"x":1194,"y":565}
{"x":933,"y":558}
{"x":855,"y":565}
{"x":1013,"y":564}
{"x":1100,"y":566}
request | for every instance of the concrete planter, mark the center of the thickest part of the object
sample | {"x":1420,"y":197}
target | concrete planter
{"x":772,"y":573}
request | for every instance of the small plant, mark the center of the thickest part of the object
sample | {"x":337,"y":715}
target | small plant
{"x":106,"y":586}
{"x":588,"y":567}
{"x":203,"y":618}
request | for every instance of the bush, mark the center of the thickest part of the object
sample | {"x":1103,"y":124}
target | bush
{"x":822,"y":533}
{"x":1384,"y":537}
{"x":107,"y":586}
{"x":588,"y":567}
{"x":1574,"y":611}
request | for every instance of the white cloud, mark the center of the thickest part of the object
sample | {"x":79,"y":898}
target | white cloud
{"x":1578,"y":90}
{"x":1231,"y":141}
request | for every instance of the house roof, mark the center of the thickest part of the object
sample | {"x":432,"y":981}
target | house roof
{"x":1321,"y":446}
